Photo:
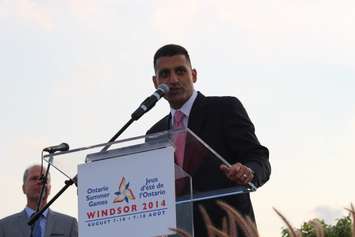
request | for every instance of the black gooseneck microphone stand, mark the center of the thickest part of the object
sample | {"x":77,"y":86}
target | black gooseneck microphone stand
{"x":35,"y":216}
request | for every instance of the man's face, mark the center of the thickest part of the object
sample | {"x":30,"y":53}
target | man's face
{"x":32,"y":185}
{"x":176,"y":72}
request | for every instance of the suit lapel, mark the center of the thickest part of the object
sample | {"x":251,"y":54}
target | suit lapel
{"x":167,"y":122}
{"x":196,"y":123}
{"x":197,"y":116}
{"x":193,"y":152}
{"x":23,"y":219}
{"x":50,"y":223}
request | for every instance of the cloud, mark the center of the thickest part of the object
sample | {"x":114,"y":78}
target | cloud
{"x":281,"y":31}
{"x":84,"y":8}
{"x":328,"y":214}
{"x":85,"y":80}
{"x":176,"y":17}
{"x":89,"y":14}
{"x":23,"y":146}
{"x":289,"y":18}
{"x":49,"y":15}
{"x":29,"y":12}
{"x":106,"y":17}
{"x":82,"y":97}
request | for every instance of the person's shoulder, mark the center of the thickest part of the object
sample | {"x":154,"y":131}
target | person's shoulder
{"x":10,"y":218}
{"x":221,"y":98}
{"x":60,"y":215}
{"x":221,"y":101}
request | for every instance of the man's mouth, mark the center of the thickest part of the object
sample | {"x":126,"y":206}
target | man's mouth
{"x":174,"y":91}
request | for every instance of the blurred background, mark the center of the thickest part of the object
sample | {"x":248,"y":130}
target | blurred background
{"x":74,"y":70}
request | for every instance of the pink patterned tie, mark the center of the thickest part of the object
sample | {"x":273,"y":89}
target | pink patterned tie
{"x":179,"y":138}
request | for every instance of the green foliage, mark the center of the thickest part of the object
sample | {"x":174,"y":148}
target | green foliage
{"x":342,"y":228}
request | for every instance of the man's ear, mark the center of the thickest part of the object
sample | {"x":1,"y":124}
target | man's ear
{"x":23,"y":189}
{"x":194,"y":75}
{"x":154,"y":78}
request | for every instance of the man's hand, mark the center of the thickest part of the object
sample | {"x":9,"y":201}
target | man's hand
{"x":238,"y":173}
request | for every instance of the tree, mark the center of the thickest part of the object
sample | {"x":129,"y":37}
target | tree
{"x":342,"y":228}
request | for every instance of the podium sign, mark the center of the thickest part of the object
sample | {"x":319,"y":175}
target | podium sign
{"x":131,"y":195}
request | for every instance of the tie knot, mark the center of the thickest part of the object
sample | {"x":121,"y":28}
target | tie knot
{"x":178,"y":117}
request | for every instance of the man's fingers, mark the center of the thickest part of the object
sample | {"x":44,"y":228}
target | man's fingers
{"x":223,"y":167}
{"x":238,"y":173}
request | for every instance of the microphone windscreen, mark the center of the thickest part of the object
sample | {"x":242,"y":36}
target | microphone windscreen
{"x":164,"y":88}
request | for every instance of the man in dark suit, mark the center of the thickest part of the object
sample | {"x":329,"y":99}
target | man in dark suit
{"x":51,"y":223}
{"x":223,"y":123}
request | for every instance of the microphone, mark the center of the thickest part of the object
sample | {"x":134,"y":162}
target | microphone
{"x":61,"y":147}
{"x":149,"y":102}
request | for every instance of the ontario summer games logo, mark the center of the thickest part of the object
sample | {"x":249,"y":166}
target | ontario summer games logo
{"x":124,"y":192}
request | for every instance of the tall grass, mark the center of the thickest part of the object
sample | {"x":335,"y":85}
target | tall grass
{"x":234,"y":221}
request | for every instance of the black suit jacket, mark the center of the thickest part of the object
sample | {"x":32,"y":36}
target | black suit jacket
{"x":223,"y":123}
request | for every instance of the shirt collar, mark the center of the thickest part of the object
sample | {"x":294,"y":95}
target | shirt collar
{"x":186,"y":108}
{"x":30,"y":212}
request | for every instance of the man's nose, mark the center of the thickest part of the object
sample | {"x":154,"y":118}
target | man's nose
{"x":173,"y":78}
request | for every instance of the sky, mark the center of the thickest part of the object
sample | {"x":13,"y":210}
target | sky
{"x":74,"y":70}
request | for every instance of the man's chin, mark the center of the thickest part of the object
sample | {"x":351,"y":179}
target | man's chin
{"x":36,"y":198}
{"x":176,"y":104}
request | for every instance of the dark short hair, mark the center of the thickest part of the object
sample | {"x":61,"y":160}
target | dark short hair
{"x":171,"y":50}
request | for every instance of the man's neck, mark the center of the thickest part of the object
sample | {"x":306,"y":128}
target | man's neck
{"x":187,"y":105}
{"x":33,"y":204}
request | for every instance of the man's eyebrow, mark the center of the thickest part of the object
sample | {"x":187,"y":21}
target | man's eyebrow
{"x":163,"y":70}
{"x":180,"y":67}
{"x":174,"y":68}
